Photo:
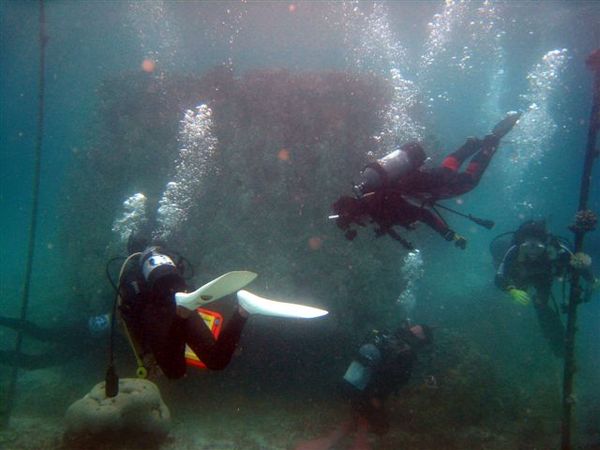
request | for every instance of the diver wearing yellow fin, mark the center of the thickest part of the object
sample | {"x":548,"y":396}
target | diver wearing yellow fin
{"x":157,"y":311}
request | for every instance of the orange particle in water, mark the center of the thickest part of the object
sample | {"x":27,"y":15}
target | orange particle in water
{"x":283,"y":155}
{"x":292,"y":8}
{"x":148,"y":65}
{"x":315,"y":243}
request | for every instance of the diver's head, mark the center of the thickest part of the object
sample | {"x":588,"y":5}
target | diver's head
{"x":532,"y":229}
{"x":416,"y":336}
{"x":532,"y":238}
{"x":155,"y":264}
{"x":349,"y":210}
{"x":532,"y":248}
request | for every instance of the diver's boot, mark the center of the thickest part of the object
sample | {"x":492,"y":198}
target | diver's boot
{"x":505,"y":125}
{"x":361,"y":440}
{"x":253,"y":304}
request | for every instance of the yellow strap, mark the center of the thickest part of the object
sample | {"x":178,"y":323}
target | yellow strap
{"x":141,"y":370}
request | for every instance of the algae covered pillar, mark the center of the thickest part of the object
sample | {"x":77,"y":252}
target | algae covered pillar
{"x":585,"y":220}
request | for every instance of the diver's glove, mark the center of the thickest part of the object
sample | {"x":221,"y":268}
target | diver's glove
{"x":458,"y":240}
{"x":519,"y":296}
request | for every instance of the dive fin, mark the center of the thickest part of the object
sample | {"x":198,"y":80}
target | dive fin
{"x":254,"y":304}
{"x":214,"y":290}
{"x":505,"y":125}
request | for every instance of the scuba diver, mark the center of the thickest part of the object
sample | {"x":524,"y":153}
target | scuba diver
{"x":398,"y":190}
{"x":534,"y":259}
{"x":160,"y":316}
{"x":382,"y":365}
{"x":69,"y":341}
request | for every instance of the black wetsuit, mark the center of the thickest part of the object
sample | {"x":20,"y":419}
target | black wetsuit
{"x":150,"y":315}
{"x":387,"y":208}
{"x":517,"y":272}
{"x":389,"y":374}
{"x":446,"y":181}
{"x":390,"y":206}
{"x":67,"y":342}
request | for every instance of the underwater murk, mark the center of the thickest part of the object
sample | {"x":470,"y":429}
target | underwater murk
{"x":229,"y":129}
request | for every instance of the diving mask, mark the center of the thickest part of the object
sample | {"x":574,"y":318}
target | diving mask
{"x":532,"y":248}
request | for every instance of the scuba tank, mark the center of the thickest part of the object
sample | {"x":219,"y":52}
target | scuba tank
{"x":361,"y":369}
{"x":156,"y":264}
{"x":389,"y":169}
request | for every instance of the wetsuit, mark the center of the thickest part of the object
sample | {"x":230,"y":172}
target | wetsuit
{"x":446,"y":181}
{"x":520,"y":273}
{"x":150,"y":314}
{"x":392,"y":371}
{"x":387,"y":208}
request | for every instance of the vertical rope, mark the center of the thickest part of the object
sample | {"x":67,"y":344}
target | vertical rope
{"x":593,"y":63}
{"x":12,"y":387}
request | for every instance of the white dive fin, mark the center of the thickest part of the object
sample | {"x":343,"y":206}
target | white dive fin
{"x":259,"y":305}
{"x":214,"y":290}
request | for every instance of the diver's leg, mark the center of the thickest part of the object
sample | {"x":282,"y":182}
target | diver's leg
{"x":552,"y":327}
{"x":163,"y":334}
{"x":216,"y":354}
{"x":376,"y":416}
{"x":454,"y":160}
{"x":361,"y":440}
{"x":482,"y":159}
{"x":489,"y":145}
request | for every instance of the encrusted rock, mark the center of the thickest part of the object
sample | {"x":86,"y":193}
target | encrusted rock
{"x":137,"y":413}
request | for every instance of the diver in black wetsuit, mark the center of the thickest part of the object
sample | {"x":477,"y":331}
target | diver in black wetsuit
{"x":388,"y":208}
{"x":535,"y":259}
{"x":68,"y":341}
{"x":147,"y":289}
{"x":381,"y":367}
{"x":386,"y":187}
{"x":160,"y":315}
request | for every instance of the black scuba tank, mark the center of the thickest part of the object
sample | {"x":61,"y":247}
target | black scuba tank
{"x":390,"y":168}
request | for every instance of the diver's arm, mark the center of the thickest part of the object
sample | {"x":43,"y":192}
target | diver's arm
{"x":434,"y":222}
{"x":440,"y":226}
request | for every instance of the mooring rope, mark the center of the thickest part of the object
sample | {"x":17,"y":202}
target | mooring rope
{"x":43,"y":40}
